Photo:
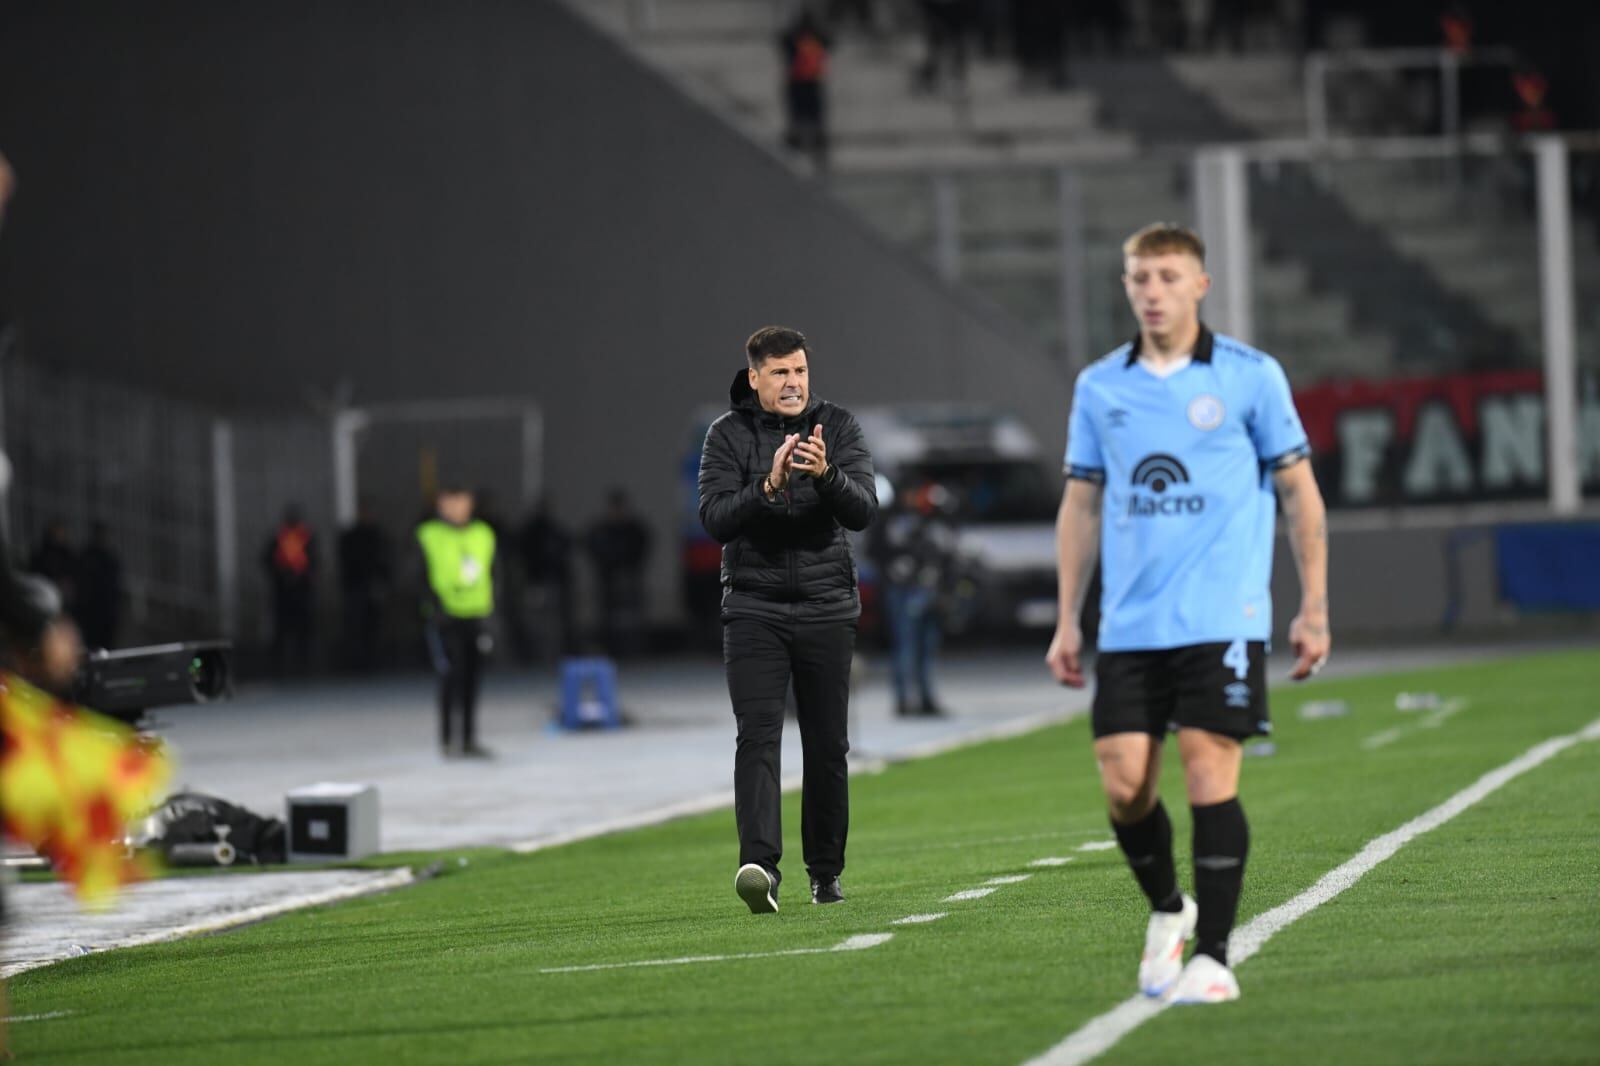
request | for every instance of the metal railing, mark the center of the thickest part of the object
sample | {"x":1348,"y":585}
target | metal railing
{"x":1447,"y":64}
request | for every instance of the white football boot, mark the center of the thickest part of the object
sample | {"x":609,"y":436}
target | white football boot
{"x":1164,"y":942}
{"x":1205,"y":980}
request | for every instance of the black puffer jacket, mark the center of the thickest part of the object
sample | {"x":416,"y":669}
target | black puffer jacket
{"x":789,"y":559}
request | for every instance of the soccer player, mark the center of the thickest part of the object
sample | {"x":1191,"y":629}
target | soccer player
{"x":1176,"y":445}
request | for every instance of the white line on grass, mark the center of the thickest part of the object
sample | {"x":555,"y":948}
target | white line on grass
{"x":393,"y":879}
{"x":1378,"y":740}
{"x":1101,"y":1033}
{"x":1008,"y":879}
{"x":919,"y":919}
{"x":1053,"y":860}
{"x":1432,"y":721}
{"x":1439,"y":717}
{"x":1097,"y":845}
{"x":855,"y":943}
{"x":46,"y":1016}
{"x":970,"y":893}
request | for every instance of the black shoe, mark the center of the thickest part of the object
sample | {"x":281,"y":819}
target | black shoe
{"x":757,"y":887}
{"x":473,"y":751}
{"x":826,"y":891}
{"x":930,"y":709}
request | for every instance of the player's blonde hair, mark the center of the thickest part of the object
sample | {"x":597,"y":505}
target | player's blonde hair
{"x":1165,"y":238}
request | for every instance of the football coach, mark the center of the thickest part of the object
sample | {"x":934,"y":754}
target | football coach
{"x":783,"y":476}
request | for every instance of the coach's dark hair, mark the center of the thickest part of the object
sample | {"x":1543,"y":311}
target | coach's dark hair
{"x":769,"y":341}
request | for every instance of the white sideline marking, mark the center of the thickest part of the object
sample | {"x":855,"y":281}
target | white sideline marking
{"x":971,"y":893}
{"x":1053,"y":860}
{"x":918,"y":919}
{"x":1097,"y":845}
{"x":1099,"y":1034}
{"x":38,"y":1017}
{"x":395,"y":879}
{"x":855,"y":943}
{"x":1008,"y":879}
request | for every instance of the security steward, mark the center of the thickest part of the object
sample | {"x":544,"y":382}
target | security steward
{"x":458,"y":600}
{"x":783,"y":477}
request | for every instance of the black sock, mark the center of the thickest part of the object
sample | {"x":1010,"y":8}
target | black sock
{"x":1221,"y":842}
{"x":1147,"y":844}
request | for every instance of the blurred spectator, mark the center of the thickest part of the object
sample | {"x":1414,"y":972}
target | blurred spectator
{"x":1532,"y":115}
{"x":365,"y":572}
{"x":805,"y":47}
{"x":619,"y":544}
{"x":55,"y":560}
{"x":914,"y":548}
{"x":546,"y":549}
{"x":1040,"y":32}
{"x":98,"y":604}
{"x":458,"y":556}
{"x":290,"y":560}
{"x":946,"y":27}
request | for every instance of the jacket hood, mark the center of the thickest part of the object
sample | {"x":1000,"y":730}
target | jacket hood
{"x":741,"y":397}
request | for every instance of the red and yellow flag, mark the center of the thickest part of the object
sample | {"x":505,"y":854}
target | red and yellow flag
{"x":71,"y":780}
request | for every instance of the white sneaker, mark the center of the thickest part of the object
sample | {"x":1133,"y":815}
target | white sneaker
{"x":1164,"y":941}
{"x":1205,"y":980}
{"x":757,"y":888}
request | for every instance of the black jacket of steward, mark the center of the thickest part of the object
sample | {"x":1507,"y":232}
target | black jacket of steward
{"x":786,"y":560}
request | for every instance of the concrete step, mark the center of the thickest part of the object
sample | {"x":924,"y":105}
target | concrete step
{"x":707,"y":17}
{"x":1097,"y":147}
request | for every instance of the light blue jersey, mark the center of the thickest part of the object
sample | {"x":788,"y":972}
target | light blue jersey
{"x":1188,"y":513}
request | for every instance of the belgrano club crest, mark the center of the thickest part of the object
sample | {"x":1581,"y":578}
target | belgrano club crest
{"x":1206,"y":412}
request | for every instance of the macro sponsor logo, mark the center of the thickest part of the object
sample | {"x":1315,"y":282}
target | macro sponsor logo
{"x":1152,"y":477}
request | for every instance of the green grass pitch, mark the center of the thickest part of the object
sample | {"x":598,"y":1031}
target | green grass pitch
{"x":1477,"y":943}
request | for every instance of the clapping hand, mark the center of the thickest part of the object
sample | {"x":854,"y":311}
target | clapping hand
{"x":781,"y":461}
{"x":811,"y":454}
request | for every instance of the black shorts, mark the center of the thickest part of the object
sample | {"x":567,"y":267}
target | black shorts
{"x":1221,"y":688}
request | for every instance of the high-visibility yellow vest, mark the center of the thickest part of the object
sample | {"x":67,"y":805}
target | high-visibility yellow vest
{"x":460,"y":566}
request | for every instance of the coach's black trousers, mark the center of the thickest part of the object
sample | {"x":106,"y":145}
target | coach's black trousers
{"x":762,"y":657}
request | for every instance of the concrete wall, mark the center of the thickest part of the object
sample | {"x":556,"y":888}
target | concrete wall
{"x":266,"y":207}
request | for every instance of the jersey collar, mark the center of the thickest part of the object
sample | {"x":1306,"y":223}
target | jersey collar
{"x":1201,"y":353}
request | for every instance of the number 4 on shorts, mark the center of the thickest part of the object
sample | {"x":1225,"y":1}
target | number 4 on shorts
{"x":1237,"y":659}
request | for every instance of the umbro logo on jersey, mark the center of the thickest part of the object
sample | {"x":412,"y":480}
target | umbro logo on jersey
{"x":1156,"y":474}
{"x":1118,"y":417}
